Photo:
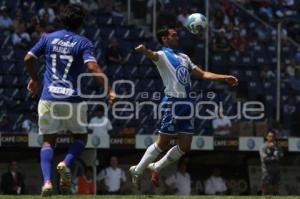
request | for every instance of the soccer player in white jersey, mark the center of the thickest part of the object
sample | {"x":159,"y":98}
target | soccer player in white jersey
{"x":67,"y":55}
{"x":174,"y":68}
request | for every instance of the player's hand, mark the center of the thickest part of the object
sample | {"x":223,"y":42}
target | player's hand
{"x":112,"y":97}
{"x":231,"y":80}
{"x":33,"y":87}
{"x":140,"y":48}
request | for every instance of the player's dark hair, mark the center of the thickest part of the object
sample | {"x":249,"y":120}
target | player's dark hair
{"x":72,"y":16}
{"x":163,"y":32}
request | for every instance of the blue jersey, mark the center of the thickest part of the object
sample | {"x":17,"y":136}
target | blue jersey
{"x":65,"y":55}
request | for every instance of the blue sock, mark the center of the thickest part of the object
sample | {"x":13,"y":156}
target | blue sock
{"x":74,"y":151}
{"x":46,"y":162}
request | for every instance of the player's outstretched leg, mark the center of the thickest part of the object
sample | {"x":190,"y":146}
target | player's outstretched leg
{"x":174,"y":154}
{"x":46,"y":166}
{"x":150,"y":155}
{"x":63,"y":167}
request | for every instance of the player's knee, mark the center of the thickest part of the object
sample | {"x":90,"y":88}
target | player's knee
{"x":163,"y":145}
{"x":185,"y":147}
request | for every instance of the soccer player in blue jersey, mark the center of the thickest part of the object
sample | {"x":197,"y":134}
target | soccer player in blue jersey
{"x":67,"y":56}
{"x":174,"y":68}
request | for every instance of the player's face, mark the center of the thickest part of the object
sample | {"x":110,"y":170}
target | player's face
{"x":172,"y":39}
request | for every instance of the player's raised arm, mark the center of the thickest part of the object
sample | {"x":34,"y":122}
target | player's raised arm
{"x":93,"y":67}
{"x":149,"y":53}
{"x":231,"y":80}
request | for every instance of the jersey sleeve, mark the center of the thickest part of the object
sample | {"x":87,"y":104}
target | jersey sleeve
{"x":191,"y":64}
{"x":39,"y":48}
{"x":88,"y":53}
{"x":160,"y":58}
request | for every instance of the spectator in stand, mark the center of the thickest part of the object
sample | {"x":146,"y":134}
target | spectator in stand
{"x":6,"y":22}
{"x":217,"y":20}
{"x":90,"y":5}
{"x":295,"y":82}
{"x":179,"y":183}
{"x":100,"y":124}
{"x":18,"y":19}
{"x":215,"y":184}
{"x":262,"y":31}
{"x":285,"y":8}
{"x":270,"y":155}
{"x":113,"y":177}
{"x":5,"y":124}
{"x":237,"y":42}
{"x":267,"y":74}
{"x":289,"y":111}
{"x":45,"y":19}
{"x":221,"y":43}
{"x":114,"y":55}
{"x":20,"y":38}
{"x":291,"y":68}
{"x":40,"y":29}
{"x":32,"y":24}
{"x":29,"y":125}
{"x":183,"y":15}
{"x":85,"y":182}
{"x":118,"y":9}
{"x":231,"y":18}
{"x":12,"y":182}
{"x":221,"y":125}
{"x":47,"y":10}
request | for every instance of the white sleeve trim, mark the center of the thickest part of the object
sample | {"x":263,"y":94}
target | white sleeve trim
{"x":32,"y":54}
{"x":88,"y":60}
{"x":160,"y":58}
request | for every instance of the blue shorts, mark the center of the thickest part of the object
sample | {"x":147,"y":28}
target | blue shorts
{"x":177,"y":116}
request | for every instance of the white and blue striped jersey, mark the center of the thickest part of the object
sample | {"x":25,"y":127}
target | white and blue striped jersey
{"x":174,"y":69}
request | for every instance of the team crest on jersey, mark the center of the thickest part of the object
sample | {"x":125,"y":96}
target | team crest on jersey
{"x":183,"y":75}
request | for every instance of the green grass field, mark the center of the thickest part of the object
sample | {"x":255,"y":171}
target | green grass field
{"x":154,"y":197}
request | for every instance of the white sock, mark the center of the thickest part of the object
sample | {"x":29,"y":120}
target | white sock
{"x":150,"y":155}
{"x":172,"y":156}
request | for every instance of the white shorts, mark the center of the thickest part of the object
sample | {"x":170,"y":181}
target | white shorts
{"x":55,"y":117}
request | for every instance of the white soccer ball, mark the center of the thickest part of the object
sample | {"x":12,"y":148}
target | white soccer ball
{"x":196,"y":23}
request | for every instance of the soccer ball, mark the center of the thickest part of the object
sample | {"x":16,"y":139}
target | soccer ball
{"x":196,"y":23}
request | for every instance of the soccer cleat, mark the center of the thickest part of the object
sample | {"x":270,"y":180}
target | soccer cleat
{"x":134,"y":176}
{"x":65,"y":177}
{"x":154,"y":175}
{"x":47,"y":189}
